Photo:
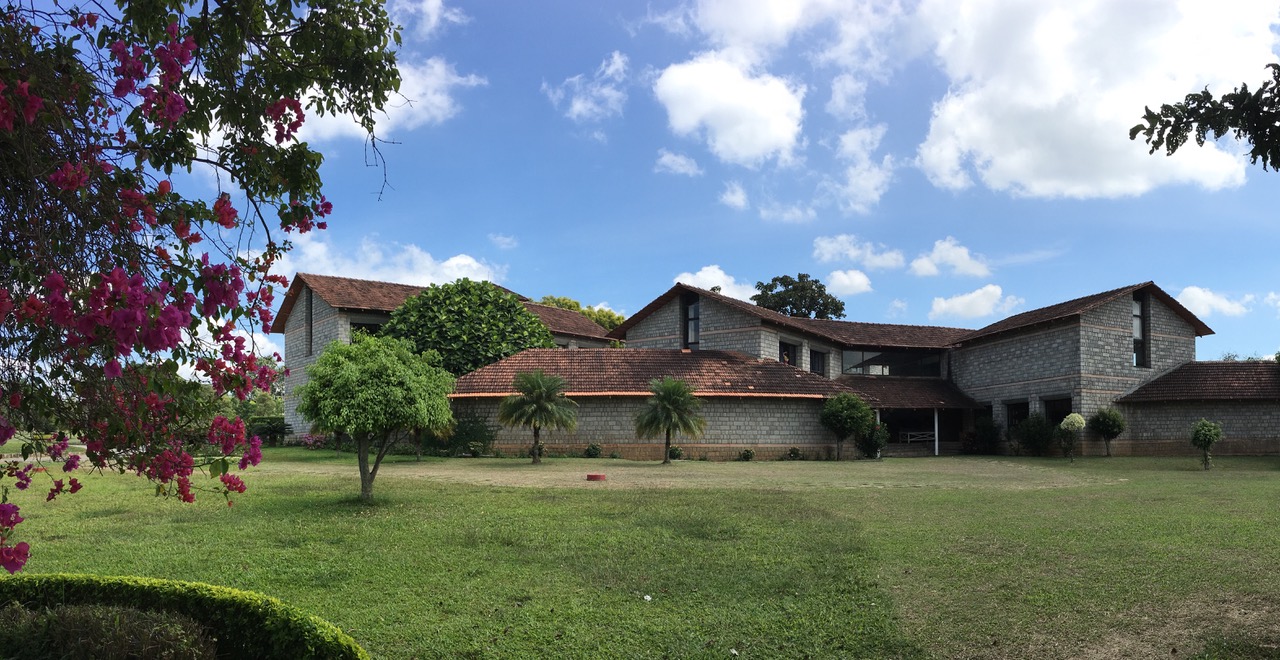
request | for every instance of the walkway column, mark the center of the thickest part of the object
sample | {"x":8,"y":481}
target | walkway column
{"x":935,"y":431}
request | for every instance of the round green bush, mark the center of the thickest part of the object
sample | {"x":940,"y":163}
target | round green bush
{"x":246,"y":624}
{"x":747,"y":454}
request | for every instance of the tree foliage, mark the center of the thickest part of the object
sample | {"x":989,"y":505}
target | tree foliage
{"x":111,"y":277}
{"x":1108,"y":423}
{"x":798,"y":296}
{"x":1251,"y":116}
{"x":539,"y":403}
{"x":847,"y":416}
{"x":1204,"y":435}
{"x":602,"y":316}
{"x":672,"y":408}
{"x":375,"y":390}
{"x":469,"y":323}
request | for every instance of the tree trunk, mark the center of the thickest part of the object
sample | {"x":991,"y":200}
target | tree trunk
{"x":366,"y":476}
{"x":536,"y":450}
{"x":1108,"y":445}
{"x":666,"y":450}
{"x":839,"y":444}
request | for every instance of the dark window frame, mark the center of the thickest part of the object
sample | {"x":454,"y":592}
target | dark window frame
{"x":690,"y":321}
{"x":822,"y":362}
{"x":1141,"y":320}
{"x":310,"y":322}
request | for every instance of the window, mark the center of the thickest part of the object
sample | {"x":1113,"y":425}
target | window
{"x":1141,"y":340}
{"x":691,"y":320}
{"x":788,"y":354}
{"x":893,"y":363}
{"x":366,"y":328}
{"x":1016,"y":413}
{"x":1056,"y":410}
{"x":818,"y":363}
{"x":310,"y":320}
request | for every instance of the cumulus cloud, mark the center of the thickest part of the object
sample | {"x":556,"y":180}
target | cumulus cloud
{"x":986,"y":301}
{"x":426,"y":97}
{"x":1273,"y":299}
{"x":1205,"y":303}
{"x":897,"y":309}
{"x":865,"y":180}
{"x":594,"y":98}
{"x":673,"y":163}
{"x":794,"y":213}
{"x":503,"y":241}
{"x":848,"y":282}
{"x":745,"y":117}
{"x":712,"y":276}
{"x":734,"y":196}
{"x":848,"y":246}
{"x":425,"y":18}
{"x":1042,"y":94}
{"x":385,"y":262}
{"x":951,"y":254}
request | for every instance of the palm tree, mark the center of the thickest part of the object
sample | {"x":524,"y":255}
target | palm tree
{"x":540,"y":404}
{"x":671,"y":408}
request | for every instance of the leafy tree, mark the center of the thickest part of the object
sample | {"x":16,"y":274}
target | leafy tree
{"x":1204,"y":435}
{"x":1108,"y":423}
{"x":1068,"y":429}
{"x":375,"y":390}
{"x":470,"y":324}
{"x":1034,"y":434}
{"x":847,"y":415}
{"x":798,"y":296}
{"x":539,"y":403}
{"x":603,"y":317}
{"x":110,"y":275}
{"x":1253,"y":117}
{"x":672,"y":408}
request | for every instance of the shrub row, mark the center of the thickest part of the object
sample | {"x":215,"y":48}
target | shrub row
{"x":245,"y":624}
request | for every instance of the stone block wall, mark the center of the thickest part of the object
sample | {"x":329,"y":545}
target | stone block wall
{"x":327,"y":325}
{"x":660,"y":329}
{"x":1031,"y":366}
{"x":1154,"y":429}
{"x":1106,"y":349}
{"x":769,"y":426}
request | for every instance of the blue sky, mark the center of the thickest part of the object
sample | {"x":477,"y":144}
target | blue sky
{"x":938,"y":163}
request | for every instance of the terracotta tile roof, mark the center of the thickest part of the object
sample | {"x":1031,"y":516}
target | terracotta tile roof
{"x":1212,"y":381}
{"x":853,"y":333}
{"x":567,"y":322}
{"x":628,"y":371}
{"x":350,"y":294}
{"x":891,"y":392}
{"x":1073,"y":308}
{"x":846,"y":333}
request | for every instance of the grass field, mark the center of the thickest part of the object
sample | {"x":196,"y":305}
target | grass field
{"x":951,"y":557}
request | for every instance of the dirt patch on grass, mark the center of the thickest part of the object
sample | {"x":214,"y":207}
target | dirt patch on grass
{"x":1229,"y":626}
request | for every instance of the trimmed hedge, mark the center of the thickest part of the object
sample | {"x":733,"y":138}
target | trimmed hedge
{"x":246,"y":624}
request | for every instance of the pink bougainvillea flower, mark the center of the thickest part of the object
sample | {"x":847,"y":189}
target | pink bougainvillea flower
{"x":14,"y":558}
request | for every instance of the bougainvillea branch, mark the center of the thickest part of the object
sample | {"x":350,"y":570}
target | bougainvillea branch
{"x":114,"y":283}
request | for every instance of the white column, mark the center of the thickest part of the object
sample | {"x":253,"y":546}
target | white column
{"x":935,"y":431}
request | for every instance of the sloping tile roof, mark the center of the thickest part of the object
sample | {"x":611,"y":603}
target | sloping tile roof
{"x":350,"y":294}
{"x":628,"y":372}
{"x":891,"y":392}
{"x":1212,"y":381}
{"x":845,"y":333}
{"x":567,"y":322}
{"x":853,"y":333}
{"x":1072,"y":308}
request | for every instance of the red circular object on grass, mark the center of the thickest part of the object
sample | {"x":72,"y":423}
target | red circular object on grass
{"x":595,"y":477}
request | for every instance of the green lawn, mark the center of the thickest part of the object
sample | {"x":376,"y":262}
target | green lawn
{"x":948,"y":557}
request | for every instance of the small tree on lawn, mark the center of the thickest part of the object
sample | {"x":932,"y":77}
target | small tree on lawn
{"x":1068,"y":429}
{"x":375,"y":390}
{"x":847,"y":415}
{"x":673,"y":407}
{"x":1109,"y":424}
{"x":1204,"y":435}
{"x":539,"y":403}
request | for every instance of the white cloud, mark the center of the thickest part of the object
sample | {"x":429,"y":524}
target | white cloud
{"x":949,"y":252}
{"x":745,"y":118}
{"x":865,"y":180}
{"x":1042,"y":94}
{"x":673,"y":163}
{"x":503,"y":241}
{"x":986,"y":301}
{"x":426,"y":97}
{"x":734,"y":196}
{"x":712,"y":276}
{"x":425,"y":18}
{"x":847,"y":246}
{"x":385,"y":262}
{"x":897,"y":309}
{"x":848,"y":282}
{"x":1273,"y":299}
{"x":848,"y":97}
{"x":1204,"y":302}
{"x":595,"y":98}
{"x":795,"y":213}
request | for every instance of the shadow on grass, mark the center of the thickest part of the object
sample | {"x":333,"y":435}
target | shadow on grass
{"x":1241,"y":648}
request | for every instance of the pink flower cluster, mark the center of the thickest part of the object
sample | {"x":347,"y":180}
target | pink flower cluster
{"x":287,"y":117}
{"x":160,"y":102}
{"x":21,"y":99}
